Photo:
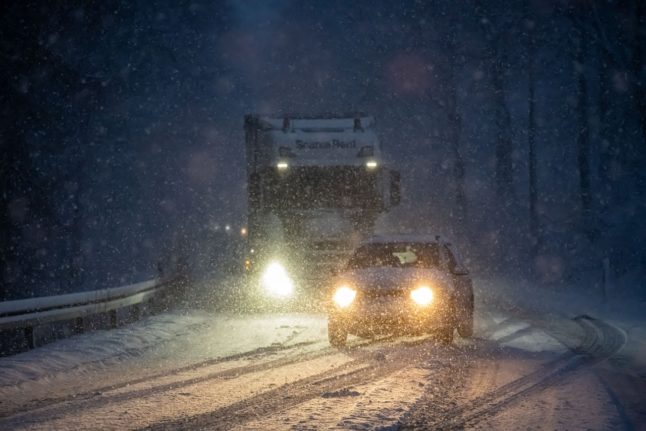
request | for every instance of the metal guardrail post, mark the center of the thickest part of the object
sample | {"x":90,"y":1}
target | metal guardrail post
{"x":136,"y":312}
{"x":113,"y":318}
{"x":79,"y":327}
{"x":605,"y":264}
{"x":29,"y":336}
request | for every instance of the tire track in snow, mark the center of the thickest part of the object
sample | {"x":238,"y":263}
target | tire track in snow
{"x":361,"y":371}
{"x":43,"y":409}
{"x":255,"y":353}
{"x":600,"y":342}
{"x":99,"y":397}
{"x":296,"y":393}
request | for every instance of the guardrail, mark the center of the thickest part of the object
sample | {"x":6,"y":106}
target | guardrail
{"x":28,"y":313}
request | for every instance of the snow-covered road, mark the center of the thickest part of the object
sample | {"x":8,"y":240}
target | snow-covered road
{"x":524,"y":369}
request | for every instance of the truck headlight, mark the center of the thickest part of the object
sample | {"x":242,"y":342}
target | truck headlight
{"x":344,"y":296}
{"x":276,"y":281}
{"x":423,"y":295}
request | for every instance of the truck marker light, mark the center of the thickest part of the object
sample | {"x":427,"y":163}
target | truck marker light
{"x":344,"y":296}
{"x":371,"y":164}
{"x":423,"y":295}
{"x":282,"y":165}
{"x":276,"y":281}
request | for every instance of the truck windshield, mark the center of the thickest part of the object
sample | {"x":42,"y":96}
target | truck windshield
{"x":331,"y":187}
{"x":398,"y":255}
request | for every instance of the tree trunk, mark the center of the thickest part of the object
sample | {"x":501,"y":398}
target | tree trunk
{"x":583,"y":131}
{"x":637,"y":65}
{"x":455,"y":131}
{"x":502,"y":121}
{"x":495,"y":62}
{"x":607,"y":144}
{"x":531,"y":142}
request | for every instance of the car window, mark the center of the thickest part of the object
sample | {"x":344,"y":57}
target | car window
{"x":406,"y":257}
{"x":450,"y":258}
{"x":399,"y":255}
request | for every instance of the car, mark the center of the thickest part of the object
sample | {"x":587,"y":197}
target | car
{"x":401,"y":284}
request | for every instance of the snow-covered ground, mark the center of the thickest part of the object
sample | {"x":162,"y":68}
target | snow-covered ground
{"x":530,"y":366}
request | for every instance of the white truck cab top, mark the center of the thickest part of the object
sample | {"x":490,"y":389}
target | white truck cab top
{"x":325,"y":141}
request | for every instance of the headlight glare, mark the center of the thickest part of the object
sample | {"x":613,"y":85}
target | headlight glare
{"x":344,"y":296}
{"x":423,"y":295}
{"x":276,"y":281}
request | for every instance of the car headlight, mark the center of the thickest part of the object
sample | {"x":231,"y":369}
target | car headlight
{"x":344,"y":296}
{"x":276,"y":281}
{"x":423,"y":295}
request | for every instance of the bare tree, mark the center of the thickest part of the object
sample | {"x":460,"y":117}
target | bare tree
{"x":455,"y":128}
{"x":578,"y":18}
{"x":615,"y":54}
{"x":531,"y":130}
{"x":607,"y":144}
{"x":637,"y":64}
{"x":496,"y":64}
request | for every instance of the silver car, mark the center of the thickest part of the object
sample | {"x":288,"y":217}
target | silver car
{"x":401,"y":284}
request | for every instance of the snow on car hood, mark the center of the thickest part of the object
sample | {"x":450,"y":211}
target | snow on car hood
{"x":390,"y":278}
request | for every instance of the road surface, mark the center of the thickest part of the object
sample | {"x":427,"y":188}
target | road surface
{"x":204,"y":370}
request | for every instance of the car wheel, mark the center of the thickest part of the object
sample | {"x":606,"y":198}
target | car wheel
{"x":336,"y":333}
{"x":445,"y":335}
{"x":465,"y":324}
{"x":465,"y":327}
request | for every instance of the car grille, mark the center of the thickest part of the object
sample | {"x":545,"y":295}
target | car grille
{"x":383,"y":293}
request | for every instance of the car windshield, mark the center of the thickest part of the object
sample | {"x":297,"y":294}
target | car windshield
{"x":397,"y":255}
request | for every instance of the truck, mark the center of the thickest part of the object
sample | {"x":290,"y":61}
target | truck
{"x":316,"y":185}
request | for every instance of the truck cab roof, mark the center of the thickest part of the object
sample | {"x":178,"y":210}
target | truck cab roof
{"x":405,"y":237}
{"x":313,"y":123}
{"x":312,"y":141}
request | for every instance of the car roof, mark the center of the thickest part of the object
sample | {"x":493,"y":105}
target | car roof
{"x":398,"y":238}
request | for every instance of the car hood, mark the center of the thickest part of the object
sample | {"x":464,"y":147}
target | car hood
{"x":388,"y":278}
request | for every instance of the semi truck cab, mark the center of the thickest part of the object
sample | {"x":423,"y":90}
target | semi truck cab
{"x":305,"y":169}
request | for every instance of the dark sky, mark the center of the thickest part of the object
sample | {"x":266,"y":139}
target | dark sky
{"x":122,"y":122}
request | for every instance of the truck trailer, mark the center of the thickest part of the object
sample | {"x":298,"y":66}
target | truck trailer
{"x":316,"y":185}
